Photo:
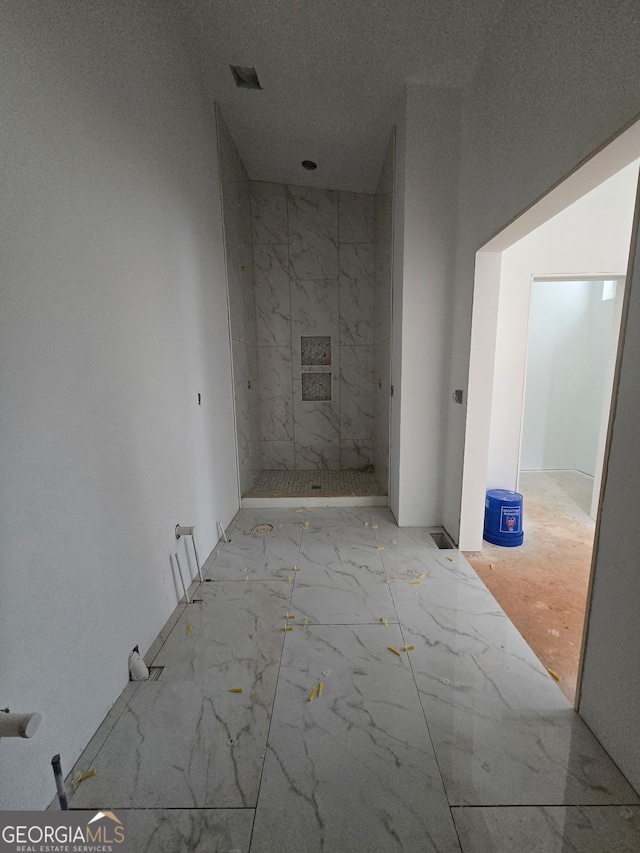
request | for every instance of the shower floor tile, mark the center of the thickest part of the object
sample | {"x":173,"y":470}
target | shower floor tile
{"x":315,"y":484}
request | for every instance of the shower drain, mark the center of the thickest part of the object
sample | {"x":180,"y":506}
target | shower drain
{"x":261,"y":529}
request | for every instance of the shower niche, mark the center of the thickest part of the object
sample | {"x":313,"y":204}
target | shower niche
{"x":315,"y":352}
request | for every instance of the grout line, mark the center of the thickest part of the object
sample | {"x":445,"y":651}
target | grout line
{"x":291,"y":347}
{"x":275,"y":692}
{"x":404,"y":639}
{"x":591,"y":805}
{"x":170,"y":808}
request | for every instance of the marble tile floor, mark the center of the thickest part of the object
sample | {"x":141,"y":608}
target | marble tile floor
{"x":457,"y":742}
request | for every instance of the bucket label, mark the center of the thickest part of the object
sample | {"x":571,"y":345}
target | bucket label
{"x":510,"y":519}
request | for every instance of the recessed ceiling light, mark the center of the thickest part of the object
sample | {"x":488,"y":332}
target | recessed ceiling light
{"x":245,"y":77}
{"x":309,"y":164}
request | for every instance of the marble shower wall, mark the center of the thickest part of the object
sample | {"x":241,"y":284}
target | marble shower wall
{"x":383,"y":254}
{"x":313,"y":256}
{"x":236,"y":213}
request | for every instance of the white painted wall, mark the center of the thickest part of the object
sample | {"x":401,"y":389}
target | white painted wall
{"x":382,"y":296}
{"x":555,"y":386}
{"x":600,"y":334}
{"x":609,"y":694}
{"x":571,"y":329}
{"x":590,"y":237}
{"x":607,"y":397}
{"x":424,"y":229}
{"x":113,"y":317}
{"x":536,"y":108}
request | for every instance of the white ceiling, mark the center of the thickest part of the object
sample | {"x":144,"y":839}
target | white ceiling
{"x":332,"y":73}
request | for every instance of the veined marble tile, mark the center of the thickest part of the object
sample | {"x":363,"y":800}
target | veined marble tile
{"x":276,"y":393}
{"x":237,"y":295}
{"x":195,"y":830}
{"x":381,"y":408}
{"x":342,"y":594}
{"x":269,"y":213}
{"x":549,"y":829}
{"x":356,"y":392}
{"x":244,"y":457}
{"x":403,"y":558}
{"x":232,"y":524}
{"x":243,"y":401}
{"x":503,"y":732}
{"x":249,"y":299}
{"x":316,"y":419}
{"x":339,"y":546}
{"x":314,"y":453}
{"x":313,"y":232}
{"x":258,"y":557}
{"x":383,"y":517}
{"x":338,"y":515}
{"x":353,"y":769}
{"x":356,"y":294}
{"x":357,"y":262}
{"x":273,"y":301}
{"x":356,"y":454}
{"x":167,"y":628}
{"x":185,"y":740}
{"x":246,"y":469}
{"x":88,"y":756}
{"x":357,"y":217}
{"x":171,"y":748}
{"x":277,"y":516}
{"x":412,"y":550}
{"x":460,"y":613}
{"x":242,"y":622}
{"x":278,"y":456}
{"x":315,"y":308}
{"x":313,"y":257}
{"x":405,"y":537}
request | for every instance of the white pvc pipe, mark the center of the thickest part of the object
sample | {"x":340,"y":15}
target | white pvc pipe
{"x":189,"y":531}
{"x":195,"y":551}
{"x":19,"y":725}
{"x":186,"y":594}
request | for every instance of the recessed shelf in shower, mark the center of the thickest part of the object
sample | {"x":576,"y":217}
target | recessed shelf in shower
{"x":315,"y":350}
{"x":316,"y":387}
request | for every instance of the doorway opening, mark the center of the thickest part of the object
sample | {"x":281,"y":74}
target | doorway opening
{"x":573,"y":333}
{"x":580,"y":232}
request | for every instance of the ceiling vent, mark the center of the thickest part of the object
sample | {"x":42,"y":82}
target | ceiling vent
{"x":245,"y":78}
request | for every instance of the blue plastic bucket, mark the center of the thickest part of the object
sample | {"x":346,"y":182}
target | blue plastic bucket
{"x":503,"y":518}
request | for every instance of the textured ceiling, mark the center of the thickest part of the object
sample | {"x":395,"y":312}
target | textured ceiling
{"x":332,"y":73}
